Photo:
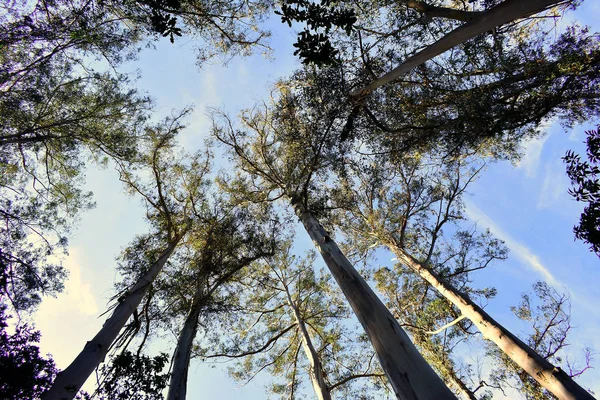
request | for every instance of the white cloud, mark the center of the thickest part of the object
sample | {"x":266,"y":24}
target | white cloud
{"x":69,"y":319}
{"x":523,"y":253}
{"x":532,"y":153}
{"x":554,"y":185}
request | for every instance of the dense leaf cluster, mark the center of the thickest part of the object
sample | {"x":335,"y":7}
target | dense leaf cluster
{"x":24,"y":373}
{"x":314,"y":45}
{"x":585,"y":176}
{"x":135,"y":377}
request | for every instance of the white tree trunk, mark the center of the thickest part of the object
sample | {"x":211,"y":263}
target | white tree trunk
{"x":68,"y":382}
{"x":503,"y":13}
{"x":409,"y":374}
{"x":550,"y":377}
{"x":183,"y":351}
{"x":315,"y":372}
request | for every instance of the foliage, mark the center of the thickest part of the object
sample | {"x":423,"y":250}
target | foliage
{"x":584,"y":175}
{"x":313,"y":46}
{"x":24,"y":373}
{"x":485,"y":96}
{"x":56,"y":113}
{"x":547,"y":312}
{"x":269,"y":306}
{"x":131,"y":376}
{"x":226,"y":27}
{"x":415,"y":207}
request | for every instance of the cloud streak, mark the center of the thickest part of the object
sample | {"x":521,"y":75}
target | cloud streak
{"x":522,"y":252}
{"x":532,"y":151}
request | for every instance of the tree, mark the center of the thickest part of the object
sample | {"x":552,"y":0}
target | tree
{"x":548,"y":313}
{"x":131,"y":376}
{"x":285,"y":317}
{"x":170,"y":197}
{"x":516,"y":88}
{"x":507,"y":11}
{"x":276,"y":169}
{"x":231,"y":239}
{"x":405,"y":209}
{"x":56,"y":113}
{"x":226,"y":27}
{"x":583,"y":175}
{"x":24,"y":373}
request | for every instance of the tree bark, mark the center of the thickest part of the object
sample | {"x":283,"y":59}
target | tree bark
{"x":69,"y":381}
{"x":315,"y":372}
{"x":183,"y":351}
{"x":507,"y":11}
{"x":550,"y":377}
{"x":409,"y":374}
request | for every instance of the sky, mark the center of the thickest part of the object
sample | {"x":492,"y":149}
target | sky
{"x":526,"y":205}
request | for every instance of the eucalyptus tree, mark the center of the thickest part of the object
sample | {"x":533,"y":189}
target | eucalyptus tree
{"x":491,"y":91}
{"x":63,"y":102}
{"x":547,"y":314}
{"x":231,"y":238}
{"x":406,"y":208}
{"x":171,"y":187}
{"x":55,"y":114}
{"x":285,"y":153}
{"x":435,"y":326}
{"x":286,"y":318}
{"x":476,"y":24}
{"x":486,"y":96}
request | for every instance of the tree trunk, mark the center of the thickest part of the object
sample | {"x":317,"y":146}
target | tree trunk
{"x":506,"y":11}
{"x":550,"y":377}
{"x":183,"y":351}
{"x":410,"y":375}
{"x":69,"y":381}
{"x":315,"y":372}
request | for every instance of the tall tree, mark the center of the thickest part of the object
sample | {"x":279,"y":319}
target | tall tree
{"x":507,"y":11}
{"x":57,"y":113}
{"x":173,"y":188}
{"x":283,"y":155}
{"x":406,"y":208}
{"x":231,"y":239}
{"x":287,"y":319}
{"x":63,"y":102}
{"x":435,"y":326}
{"x":547,"y":312}
{"x":516,"y":88}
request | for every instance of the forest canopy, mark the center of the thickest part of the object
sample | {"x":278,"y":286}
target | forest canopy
{"x":318,"y":236}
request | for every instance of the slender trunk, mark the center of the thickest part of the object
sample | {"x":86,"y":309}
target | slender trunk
{"x":183,"y":351}
{"x":315,"y":372}
{"x":503,"y":13}
{"x":409,"y":374}
{"x":68,"y":382}
{"x":550,"y":377}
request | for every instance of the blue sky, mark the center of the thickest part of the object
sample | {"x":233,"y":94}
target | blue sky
{"x":525,"y":205}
